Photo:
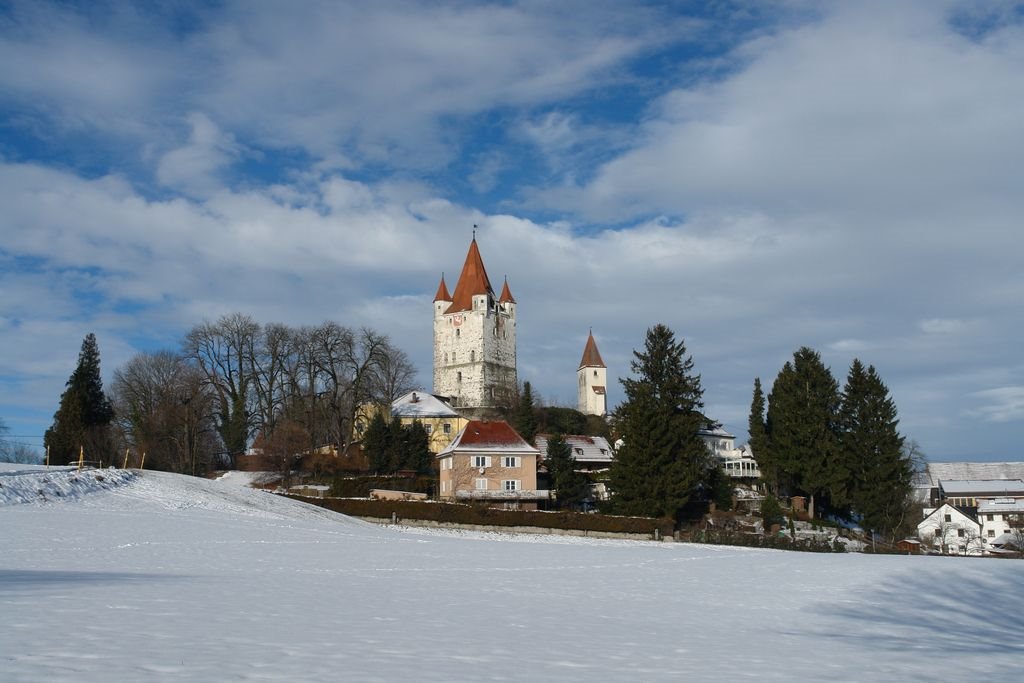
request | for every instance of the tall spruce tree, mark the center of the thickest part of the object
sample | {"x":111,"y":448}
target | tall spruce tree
{"x":82,"y":420}
{"x":525,"y":419}
{"x":571,"y":487}
{"x":758,"y":439}
{"x":377,"y":443}
{"x":801,"y":431}
{"x":872,"y":451}
{"x":662,"y":459}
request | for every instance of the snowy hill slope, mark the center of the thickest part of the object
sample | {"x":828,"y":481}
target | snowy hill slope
{"x":164,"y":577}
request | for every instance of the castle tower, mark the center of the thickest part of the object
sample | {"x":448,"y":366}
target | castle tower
{"x":593,"y":378}
{"x":474,"y":338}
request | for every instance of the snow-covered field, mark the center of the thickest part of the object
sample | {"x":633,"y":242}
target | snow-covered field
{"x":160,"y":577}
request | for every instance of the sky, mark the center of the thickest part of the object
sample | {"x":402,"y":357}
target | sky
{"x":757,"y":176}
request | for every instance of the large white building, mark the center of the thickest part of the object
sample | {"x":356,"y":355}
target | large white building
{"x":474,"y":338}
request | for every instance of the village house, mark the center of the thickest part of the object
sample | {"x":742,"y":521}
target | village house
{"x":488,"y":461}
{"x":737,"y":463}
{"x":950,"y":530}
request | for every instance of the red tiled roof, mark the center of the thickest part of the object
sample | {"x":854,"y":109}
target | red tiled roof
{"x":487,"y":435}
{"x":442,"y":292}
{"x":472,"y":281}
{"x":506,"y":295}
{"x":591,"y":356}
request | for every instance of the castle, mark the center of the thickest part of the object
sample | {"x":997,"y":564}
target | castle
{"x":475,"y":345}
{"x":474,"y":338}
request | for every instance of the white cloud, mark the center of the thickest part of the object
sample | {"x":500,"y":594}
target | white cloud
{"x":195,"y":167}
{"x":941,"y":326}
{"x":1002,"y":404}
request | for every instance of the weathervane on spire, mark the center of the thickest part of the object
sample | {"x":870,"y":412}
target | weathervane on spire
{"x":474,"y":231}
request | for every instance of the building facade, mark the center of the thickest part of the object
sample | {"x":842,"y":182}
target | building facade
{"x":474,"y":338}
{"x":489,"y":461}
{"x":592,"y":381}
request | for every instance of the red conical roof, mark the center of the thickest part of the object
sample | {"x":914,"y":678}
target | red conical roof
{"x":472,"y":281}
{"x":506,"y":295}
{"x":591,"y":356}
{"x":442,"y":291}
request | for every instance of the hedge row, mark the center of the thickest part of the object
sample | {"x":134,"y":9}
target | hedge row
{"x":360,"y":487}
{"x":471,"y":514}
{"x":776,"y":541}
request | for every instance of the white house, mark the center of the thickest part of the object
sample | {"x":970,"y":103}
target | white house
{"x":950,"y":530}
{"x":1000,"y":517}
{"x":738,"y":463}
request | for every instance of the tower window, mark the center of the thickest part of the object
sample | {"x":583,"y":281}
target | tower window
{"x":472,"y":356}
{"x":453,"y":356}
{"x":458,"y":332}
{"x":446,"y":358}
{"x":458,"y":376}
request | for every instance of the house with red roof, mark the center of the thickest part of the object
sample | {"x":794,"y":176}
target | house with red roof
{"x":489,"y":461}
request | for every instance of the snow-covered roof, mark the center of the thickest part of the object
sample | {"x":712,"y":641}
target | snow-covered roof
{"x":717,"y":432}
{"x":584,"y":448}
{"x":488,"y":436}
{"x":420,"y":404}
{"x":977,"y":487}
{"x":1000,"y":505}
{"x":971,"y":471}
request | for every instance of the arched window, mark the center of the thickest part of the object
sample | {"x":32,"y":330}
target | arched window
{"x":472,"y":356}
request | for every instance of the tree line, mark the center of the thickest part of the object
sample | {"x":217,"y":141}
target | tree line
{"x":841,"y":448}
{"x":229,"y":382}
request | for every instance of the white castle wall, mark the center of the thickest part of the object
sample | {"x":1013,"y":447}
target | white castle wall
{"x":475,"y":352}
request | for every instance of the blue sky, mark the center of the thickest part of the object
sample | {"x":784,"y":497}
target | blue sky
{"x":758,"y":176}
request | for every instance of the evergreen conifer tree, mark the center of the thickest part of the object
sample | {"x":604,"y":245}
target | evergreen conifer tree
{"x":662,"y":458}
{"x":377,"y":443}
{"x":571,"y":487}
{"x":872,"y":451}
{"x":801,"y":430}
{"x":417,"y":450}
{"x":82,"y":420}
{"x":525,"y":420}
{"x":758,"y":440}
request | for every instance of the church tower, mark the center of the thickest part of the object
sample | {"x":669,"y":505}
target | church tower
{"x":474,"y":338}
{"x":593,"y":378}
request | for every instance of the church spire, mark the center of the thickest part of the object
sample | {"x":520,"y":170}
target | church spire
{"x":591,"y":356}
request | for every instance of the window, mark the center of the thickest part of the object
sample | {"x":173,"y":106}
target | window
{"x":481,"y":461}
{"x":991,"y":533}
{"x":949,"y":518}
{"x":579,"y":451}
{"x":480,"y":484}
{"x":428,"y":429}
{"x":458,"y":376}
{"x":458,"y":332}
{"x":988,"y":517}
{"x":453,"y":356}
{"x":472,"y":356}
{"x":960,"y":533}
{"x":510,"y":485}
{"x":510,"y":461}
{"x":446,"y":358}
{"x":447,"y":427}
